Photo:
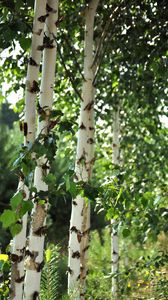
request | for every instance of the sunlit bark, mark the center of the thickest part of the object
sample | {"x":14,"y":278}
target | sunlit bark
{"x":80,"y":215}
{"x":19,"y":241}
{"x":34,"y":261}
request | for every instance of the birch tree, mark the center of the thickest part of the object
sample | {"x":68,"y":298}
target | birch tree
{"x":114,"y":234}
{"x":34,"y":261}
{"x":80,"y":216}
{"x":28,"y":126}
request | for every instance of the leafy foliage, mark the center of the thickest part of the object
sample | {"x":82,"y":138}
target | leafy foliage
{"x":133,"y":60}
{"x":50,"y":281}
{"x":4,"y":279}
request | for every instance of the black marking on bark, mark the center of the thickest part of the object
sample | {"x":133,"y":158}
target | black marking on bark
{"x":22,"y":250}
{"x":115,"y":253}
{"x":91,"y":128}
{"x":42,"y":18}
{"x":92,"y":161}
{"x":89,"y":106}
{"x":21,"y":126}
{"x":114,"y":145}
{"x":85,"y":249}
{"x":86,"y":232}
{"x":16,"y":258}
{"x":78,"y":277}
{"x":50,"y":9}
{"x":76,"y":177}
{"x":81,"y":268}
{"x":25,"y":128}
{"x":70,"y":271}
{"x":40,"y":231}
{"x":82,"y":126}
{"x":32,"y":62}
{"x":48,"y":42}
{"x":40,"y":47}
{"x":82,"y":294}
{"x":38,"y":32}
{"x":49,"y":46}
{"x":40,"y":110}
{"x":19,"y":222}
{"x":35,"y":296}
{"x":21,"y":175}
{"x":45,"y":167}
{"x":33,"y":88}
{"x":73,"y":229}
{"x":52,"y":124}
{"x":32,"y":254}
{"x":82,"y":158}
{"x":20,"y":279}
{"x":90,"y":141}
{"x":57,"y":23}
{"x":74,"y":203}
{"x":76,"y":254}
{"x":79,"y":236}
{"x":24,"y":194}
{"x":29,"y":253}
{"x":39,"y":266}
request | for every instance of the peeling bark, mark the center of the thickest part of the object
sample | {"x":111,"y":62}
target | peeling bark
{"x":34,"y":261}
{"x":28,"y":127}
{"x":80,"y":215}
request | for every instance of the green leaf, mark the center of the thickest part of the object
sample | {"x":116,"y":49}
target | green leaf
{"x":26,"y":207}
{"x":110,"y":213}
{"x":67,"y":182}
{"x":119,"y":195}
{"x":25,"y":42}
{"x":33,"y":189}
{"x":41,"y":202}
{"x":8,"y":218}
{"x":66,"y":126}
{"x":144,"y":202}
{"x":16,"y":200}
{"x":73,"y":189}
{"x":1,"y":264}
{"x":125,"y":232}
{"x":15,"y":229}
{"x":50,"y":179}
{"x":56,"y":113}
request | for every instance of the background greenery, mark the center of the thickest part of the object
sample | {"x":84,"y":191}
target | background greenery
{"x":133,"y":72}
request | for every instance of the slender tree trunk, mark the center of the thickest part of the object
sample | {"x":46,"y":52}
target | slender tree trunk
{"x":19,"y":241}
{"x":114,"y":234}
{"x":80,"y":216}
{"x":34,"y":261}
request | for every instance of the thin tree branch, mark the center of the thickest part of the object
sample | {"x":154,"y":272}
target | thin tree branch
{"x":66,"y":39}
{"x":104,"y":34}
{"x":69,"y":74}
{"x":99,"y":65}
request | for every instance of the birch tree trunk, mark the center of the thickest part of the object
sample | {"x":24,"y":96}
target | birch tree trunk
{"x":114,"y":234}
{"x":80,"y":215}
{"x":19,"y":241}
{"x":34,"y":261}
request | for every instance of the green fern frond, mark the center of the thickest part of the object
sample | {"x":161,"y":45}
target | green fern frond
{"x":49,"y":280}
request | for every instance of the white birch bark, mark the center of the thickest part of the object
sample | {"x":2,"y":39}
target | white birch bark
{"x":34,"y":261}
{"x":19,"y":241}
{"x":114,"y":234}
{"x":80,"y":215}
